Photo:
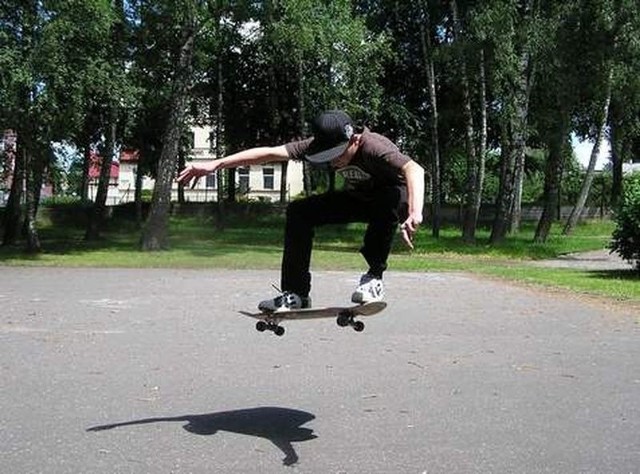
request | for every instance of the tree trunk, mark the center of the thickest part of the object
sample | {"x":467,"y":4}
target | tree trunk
{"x":182,"y":160}
{"x":155,"y":232}
{"x":523,"y":95}
{"x":34,"y":185}
{"x":231,"y":185}
{"x":138,"y":190}
{"x":306,"y":169}
{"x":99,"y":209}
{"x":576,"y":212}
{"x":436,"y":183}
{"x":512,"y":162}
{"x":85,"y":143}
{"x":284,"y":183}
{"x":616,"y":171}
{"x":482,"y":143}
{"x":505,"y":189}
{"x":13,"y":211}
{"x":617,"y":156}
{"x":220,"y":207}
{"x":274,"y":115}
{"x":518,"y":184}
{"x":86,"y":163}
{"x":469,"y":216}
{"x":25,"y":128}
{"x":552,"y":175}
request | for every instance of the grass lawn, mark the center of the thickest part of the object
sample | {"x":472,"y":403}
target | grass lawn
{"x":257,"y":243}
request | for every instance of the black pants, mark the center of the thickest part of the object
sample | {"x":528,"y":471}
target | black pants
{"x":381,"y":210}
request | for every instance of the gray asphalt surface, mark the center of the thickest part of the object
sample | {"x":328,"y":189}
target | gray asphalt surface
{"x":596,"y":260}
{"x":153,"y":371}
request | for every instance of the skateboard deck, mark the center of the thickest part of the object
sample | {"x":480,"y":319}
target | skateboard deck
{"x":345,"y":316}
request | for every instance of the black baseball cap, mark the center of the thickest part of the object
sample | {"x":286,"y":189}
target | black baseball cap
{"x":332,"y":131}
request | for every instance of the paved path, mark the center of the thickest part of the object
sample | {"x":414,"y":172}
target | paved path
{"x":593,"y":260}
{"x":152,"y":371}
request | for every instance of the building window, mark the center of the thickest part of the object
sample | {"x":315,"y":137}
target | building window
{"x":212,"y":181}
{"x":243,"y":180}
{"x":268,"y":179}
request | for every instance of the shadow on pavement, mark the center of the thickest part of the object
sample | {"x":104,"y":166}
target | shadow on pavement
{"x":281,"y":426}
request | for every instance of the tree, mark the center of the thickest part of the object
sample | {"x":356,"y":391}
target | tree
{"x":557,"y":149}
{"x":113,"y":100}
{"x":429,"y":67}
{"x":554,"y":102}
{"x":475,"y":161}
{"x":152,"y":47}
{"x":66,"y":99}
{"x":514,"y":49}
{"x":412,"y":110}
{"x":155,"y":232}
{"x":40,"y":93}
{"x":576,"y":212}
{"x":624,"y":116}
{"x":19,"y":35}
{"x":601,"y":28}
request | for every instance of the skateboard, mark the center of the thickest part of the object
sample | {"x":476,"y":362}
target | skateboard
{"x":345,"y":316}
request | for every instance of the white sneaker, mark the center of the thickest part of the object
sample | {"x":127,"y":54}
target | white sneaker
{"x":283,"y":302}
{"x":370,"y":289}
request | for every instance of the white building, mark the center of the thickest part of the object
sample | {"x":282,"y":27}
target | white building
{"x":628,"y":168}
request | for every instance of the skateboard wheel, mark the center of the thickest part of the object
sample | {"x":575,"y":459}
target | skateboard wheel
{"x":261,"y":326}
{"x":278,"y":331}
{"x":358,"y":326}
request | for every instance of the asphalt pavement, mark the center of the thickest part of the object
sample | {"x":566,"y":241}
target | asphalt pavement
{"x":594,"y":260}
{"x":154,"y":371}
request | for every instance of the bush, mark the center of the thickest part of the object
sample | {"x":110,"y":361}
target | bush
{"x":62,"y":200}
{"x":626,"y":236}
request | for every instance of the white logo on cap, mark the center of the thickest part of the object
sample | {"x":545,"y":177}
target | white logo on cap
{"x":348,"y":130}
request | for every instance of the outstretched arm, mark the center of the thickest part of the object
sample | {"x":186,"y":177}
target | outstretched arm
{"x":414,"y":175}
{"x":145,"y":421}
{"x":251,"y":156}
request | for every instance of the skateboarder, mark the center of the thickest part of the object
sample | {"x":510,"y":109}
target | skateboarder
{"x":383,"y":188}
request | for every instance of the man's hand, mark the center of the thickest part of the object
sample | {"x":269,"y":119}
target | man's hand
{"x":414,"y":174}
{"x":409,"y":229}
{"x":196,"y":170}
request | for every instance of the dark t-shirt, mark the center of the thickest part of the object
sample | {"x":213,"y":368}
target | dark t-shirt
{"x":376,"y":163}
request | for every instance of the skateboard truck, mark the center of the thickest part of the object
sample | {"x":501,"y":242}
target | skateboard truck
{"x":346,"y":318}
{"x":270,"y":325}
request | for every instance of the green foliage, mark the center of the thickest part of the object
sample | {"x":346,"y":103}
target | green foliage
{"x":146,"y":195}
{"x":340,"y":58}
{"x":626,"y":236}
{"x":56,"y":60}
{"x":71,"y":201}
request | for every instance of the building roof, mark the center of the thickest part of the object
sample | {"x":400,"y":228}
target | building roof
{"x":95,"y":161}
{"x":129,"y":156}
